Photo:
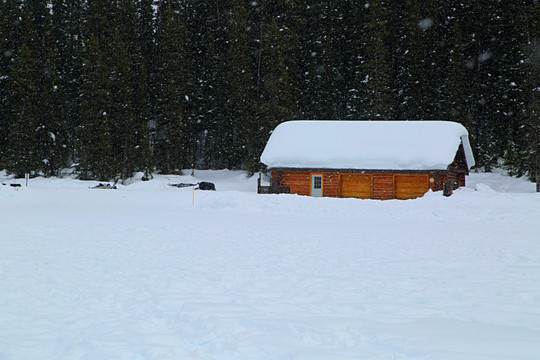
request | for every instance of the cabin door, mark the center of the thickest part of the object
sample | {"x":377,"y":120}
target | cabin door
{"x":316,"y":185}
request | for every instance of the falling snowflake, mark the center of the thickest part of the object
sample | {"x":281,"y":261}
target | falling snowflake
{"x":426,"y":23}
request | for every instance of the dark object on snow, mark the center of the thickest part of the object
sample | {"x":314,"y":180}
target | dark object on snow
{"x":448,"y":188}
{"x":207,"y":186}
{"x":104,"y":186}
{"x":182,"y":185}
{"x":203,"y":185}
{"x":15,"y":185}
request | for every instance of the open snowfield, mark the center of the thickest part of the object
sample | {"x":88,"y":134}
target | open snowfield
{"x":140,"y":273}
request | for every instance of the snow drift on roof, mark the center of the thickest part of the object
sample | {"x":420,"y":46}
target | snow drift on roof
{"x":391,"y":145}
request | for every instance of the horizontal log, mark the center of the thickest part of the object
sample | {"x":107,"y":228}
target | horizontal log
{"x":296,"y":178}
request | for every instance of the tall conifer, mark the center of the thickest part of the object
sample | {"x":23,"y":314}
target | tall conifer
{"x":377,"y":61}
{"x":66,"y":33}
{"x":213,"y":90}
{"x":11,"y":37}
{"x":95,"y":139}
{"x":523,"y":152}
{"x":129,"y":105}
{"x":173,"y":89}
{"x":244,"y":123}
{"x":21,"y":149}
{"x":52,"y":134}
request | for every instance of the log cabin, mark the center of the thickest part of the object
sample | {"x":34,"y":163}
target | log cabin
{"x":367,"y":159}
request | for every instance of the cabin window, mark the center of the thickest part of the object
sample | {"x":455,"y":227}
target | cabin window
{"x":317,"y":182}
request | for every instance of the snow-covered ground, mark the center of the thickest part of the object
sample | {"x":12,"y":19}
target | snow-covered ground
{"x":141,"y":273}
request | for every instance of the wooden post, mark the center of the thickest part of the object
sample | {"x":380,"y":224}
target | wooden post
{"x":536,"y":175}
{"x":448,"y":188}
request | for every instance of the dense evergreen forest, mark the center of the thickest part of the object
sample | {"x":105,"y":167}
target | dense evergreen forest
{"x":113,"y":87}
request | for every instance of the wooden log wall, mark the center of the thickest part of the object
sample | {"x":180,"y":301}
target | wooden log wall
{"x":383,"y":184}
{"x":411,"y":186}
{"x":331,"y":184}
{"x":299,"y":182}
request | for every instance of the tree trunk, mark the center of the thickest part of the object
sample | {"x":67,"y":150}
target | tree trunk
{"x":536,"y":177}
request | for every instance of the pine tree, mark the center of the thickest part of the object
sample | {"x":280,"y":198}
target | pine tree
{"x":173,"y":90}
{"x":506,"y":60}
{"x":523,"y":151}
{"x":145,"y":101}
{"x":475,"y":41}
{"x":243,"y":123}
{"x":113,"y":131}
{"x":96,"y":159}
{"x":455,"y":103}
{"x":377,"y":59}
{"x":212,"y":88}
{"x":399,"y":34}
{"x":122,"y":108}
{"x":129,"y":113}
{"x":95,"y":137}
{"x":351,"y":62}
{"x":318,"y":96}
{"x":10,"y":41}
{"x":197,"y":15}
{"x":66,"y":34}
{"x":493,"y":56}
{"x":279,"y":73}
{"x":147,"y":90}
{"x":36,"y":115}
{"x":52,"y":133}
{"x":424,"y":83}
{"x":21,"y":149}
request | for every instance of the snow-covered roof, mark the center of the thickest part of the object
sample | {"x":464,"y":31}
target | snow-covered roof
{"x":391,"y":145}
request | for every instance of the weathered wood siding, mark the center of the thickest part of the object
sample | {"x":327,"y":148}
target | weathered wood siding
{"x":411,"y":186}
{"x":299,"y":182}
{"x":383,"y":186}
{"x":330,"y":184}
{"x":356,"y":186}
{"x":436,"y":181}
{"x":461,"y":180}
